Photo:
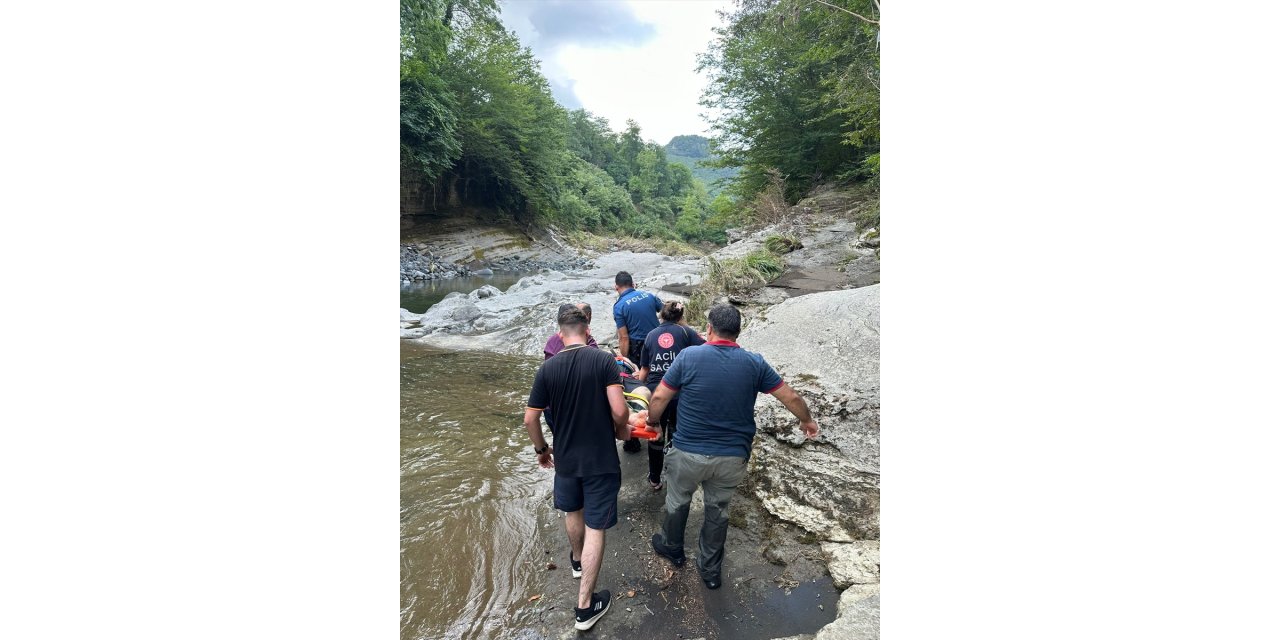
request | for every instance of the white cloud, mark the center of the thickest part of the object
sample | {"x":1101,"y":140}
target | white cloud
{"x":653,"y":83}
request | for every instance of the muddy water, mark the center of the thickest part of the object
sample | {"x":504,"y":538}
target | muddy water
{"x":467,"y":495}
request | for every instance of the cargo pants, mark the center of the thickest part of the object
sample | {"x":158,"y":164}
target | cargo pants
{"x":719,"y":477}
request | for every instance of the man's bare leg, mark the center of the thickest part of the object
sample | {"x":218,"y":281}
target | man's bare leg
{"x":592,"y":554}
{"x":573,"y":525}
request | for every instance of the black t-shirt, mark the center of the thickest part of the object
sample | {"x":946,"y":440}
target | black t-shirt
{"x":661,"y":347}
{"x":574,"y":382}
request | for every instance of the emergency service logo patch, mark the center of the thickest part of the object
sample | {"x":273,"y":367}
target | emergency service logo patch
{"x":666,"y":340}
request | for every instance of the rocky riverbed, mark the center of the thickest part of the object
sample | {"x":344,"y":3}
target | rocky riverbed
{"x":443,"y":248}
{"x":810,"y":509}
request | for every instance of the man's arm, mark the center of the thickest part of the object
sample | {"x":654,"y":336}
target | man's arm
{"x":796,"y":405}
{"x":624,"y":344}
{"x":619,"y":412}
{"x":534,"y":427}
{"x":658,"y":403}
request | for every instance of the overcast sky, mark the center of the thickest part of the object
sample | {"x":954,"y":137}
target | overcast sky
{"x":622,"y":58}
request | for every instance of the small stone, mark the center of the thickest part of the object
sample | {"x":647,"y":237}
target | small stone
{"x":551,"y":566}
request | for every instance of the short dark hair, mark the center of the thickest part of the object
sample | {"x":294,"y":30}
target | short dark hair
{"x":623,"y":279}
{"x":572,"y":321}
{"x":672,"y":311}
{"x":586,"y":309}
{"x":725,"y":320}
{"x":563,"y":308}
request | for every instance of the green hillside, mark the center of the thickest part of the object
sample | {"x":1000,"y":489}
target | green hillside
{"x":691,"y":150}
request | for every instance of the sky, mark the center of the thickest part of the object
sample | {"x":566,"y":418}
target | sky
{"x":623,"y":59}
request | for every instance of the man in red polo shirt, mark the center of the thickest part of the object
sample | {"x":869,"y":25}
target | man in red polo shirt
{"x":717,"y":384}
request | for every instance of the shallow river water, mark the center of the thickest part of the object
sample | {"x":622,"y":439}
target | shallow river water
{"x":419,"y":296}
{"x":467,"y":498}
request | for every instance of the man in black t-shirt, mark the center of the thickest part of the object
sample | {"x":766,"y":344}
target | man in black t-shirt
{"x":584,"y":387}
{"x":661,"y":346}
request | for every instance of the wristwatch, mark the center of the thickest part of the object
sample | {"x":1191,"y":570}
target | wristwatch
{"x":542,"y":450}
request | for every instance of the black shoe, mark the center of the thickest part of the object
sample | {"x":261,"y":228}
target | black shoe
{"x":677,"y":560}
{"x":712,"y":583}
{"x":631,"y":446}
{"x":585,"y":618}
{"x":575,"y":565}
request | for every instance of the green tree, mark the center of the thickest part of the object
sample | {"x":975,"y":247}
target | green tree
{"x":513,"y":132}
{"x":644,"y":184}
{"x":428,"y":112}
{"x":797,"y":82}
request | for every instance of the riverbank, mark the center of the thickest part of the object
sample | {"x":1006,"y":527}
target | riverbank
{"x":808,"y":517}
{"x":435,"y":248}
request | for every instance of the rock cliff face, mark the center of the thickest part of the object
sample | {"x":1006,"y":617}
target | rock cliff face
{"x":458,"y":246}
{"x":827,"y":347}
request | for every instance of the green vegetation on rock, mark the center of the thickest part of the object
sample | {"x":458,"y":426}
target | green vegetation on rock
{"x":782,"y":244}
{"x":733,"y":275}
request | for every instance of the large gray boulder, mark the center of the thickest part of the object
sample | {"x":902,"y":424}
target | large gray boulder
{"x":853,"y":563}
{"x":827,"y":347}
{"x":859,"y":617}
{"x":487,"y":291}
{"x":453,"y":311}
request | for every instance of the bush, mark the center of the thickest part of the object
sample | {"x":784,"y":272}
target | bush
{"x":770,"y":205}
{"x":766,"y":265}
{"x":782,"y":244}
{"x":733,"y":275}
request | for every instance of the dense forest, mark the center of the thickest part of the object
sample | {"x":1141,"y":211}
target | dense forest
{"x":797,"y":83}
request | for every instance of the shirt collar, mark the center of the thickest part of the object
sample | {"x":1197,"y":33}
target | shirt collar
{"x":724,"y":343}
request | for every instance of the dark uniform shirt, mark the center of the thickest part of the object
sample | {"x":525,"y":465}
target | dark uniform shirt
{"x":638,"y":312}
{"x":573,"y":382}
{"x":718,"y":383}
{"x":661,"y":347}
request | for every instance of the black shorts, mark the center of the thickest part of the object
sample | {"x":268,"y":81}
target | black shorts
{"x":595,"y":496}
